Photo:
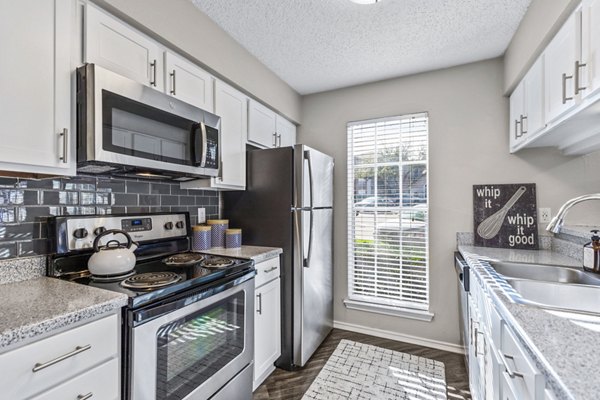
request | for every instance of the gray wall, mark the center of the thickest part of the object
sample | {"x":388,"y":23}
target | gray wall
{"x":540,"y":23}
{"x":182,"y":26}
{"x":468,"y":145}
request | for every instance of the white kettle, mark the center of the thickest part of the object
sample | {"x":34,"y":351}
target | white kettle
{"x":113,"y":258}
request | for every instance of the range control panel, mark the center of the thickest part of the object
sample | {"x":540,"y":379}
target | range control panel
{"x":79,"y":232}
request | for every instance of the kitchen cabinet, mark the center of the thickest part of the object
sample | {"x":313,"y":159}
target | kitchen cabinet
{"x":527,"y":106}
{"x":262,"y":125}
{"x":231,"y":106}
{"x":115,"y":46}
{"x":267,"y":322}
{"x":286,"y":132}
{"x":76,"y":362}
{"x":35,"y":77}
{"x":590,"y":47}
{"x":188,"y":82}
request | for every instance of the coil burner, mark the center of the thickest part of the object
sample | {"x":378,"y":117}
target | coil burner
{"x":151,"y":280}
{"x":216,"y":263}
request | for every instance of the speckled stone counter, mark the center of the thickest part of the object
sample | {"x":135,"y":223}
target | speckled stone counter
{"x":563,"y":345}
{"x":256,"y":253}
{"x":37,"y":306}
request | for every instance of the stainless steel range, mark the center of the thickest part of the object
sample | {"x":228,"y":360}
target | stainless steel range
{"x":188,"y":329}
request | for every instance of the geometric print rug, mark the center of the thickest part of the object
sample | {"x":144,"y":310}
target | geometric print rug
{"x":357,"y":371}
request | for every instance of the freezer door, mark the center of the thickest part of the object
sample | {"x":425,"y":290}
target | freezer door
{"x":313,"y":281}
{"x":314,"y":178}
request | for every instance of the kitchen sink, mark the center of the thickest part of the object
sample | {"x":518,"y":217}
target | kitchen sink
{"x":547,"y":273}
{"x":570,"y":297}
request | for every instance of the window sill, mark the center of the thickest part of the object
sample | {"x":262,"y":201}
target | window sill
{"x":420,"y":315}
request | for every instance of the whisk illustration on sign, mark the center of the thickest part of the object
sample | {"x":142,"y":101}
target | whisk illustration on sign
{"x":489,"y":227}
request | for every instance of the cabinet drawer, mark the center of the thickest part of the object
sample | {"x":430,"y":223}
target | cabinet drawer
{"x":525,"y":372}
{"x":101,"y":382}
{"x":266,"y":271}
{"x":80,"y":349}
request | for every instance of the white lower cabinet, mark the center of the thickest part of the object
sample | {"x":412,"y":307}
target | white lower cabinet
{"x":267,"y":320}
{"x":79,"y":361}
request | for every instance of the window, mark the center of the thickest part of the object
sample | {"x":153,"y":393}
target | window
{"x":388,"y":212}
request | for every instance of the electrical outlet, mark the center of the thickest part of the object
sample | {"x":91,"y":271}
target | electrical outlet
{"x":201,"y":215}
{"x":545,"y":214}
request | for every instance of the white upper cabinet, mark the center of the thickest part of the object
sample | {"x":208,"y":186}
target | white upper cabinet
{"x":35,"y":81}
{"x":115,"y":46}
{"x":188,"y":82}
{"x":590,"y":47}
{"x":262,"y":125}
{"x":517,"y":107}
{"x":560,"y":57}
{"x":286,"y":132}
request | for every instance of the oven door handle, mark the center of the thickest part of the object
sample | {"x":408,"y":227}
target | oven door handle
{"x":145,"y":315}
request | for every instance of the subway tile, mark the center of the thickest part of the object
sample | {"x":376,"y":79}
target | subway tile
{"x":39,"y":184}
{"x":11,"y":233}
{"x":87,"y":198}
{"x":40,"y":229}
{"x":8,"y":182}
{"x":149,"y":200}
{"x":137,"y":187}
{"x":51,"y":198}
{"x":160,"y":209}
{"x":176,"y":189}
{"x":110,"y":185}
{"x":87,"y":184}
{"x":137,"y":210}
{"x":8,"y":250}
{"x":11,"y":196}
{"x":103,"y":210}
{"x":166,"y":200}
{"x":103,"y":199}
{"x":33,"y":247}
{"x":187,"y":200}
{"x":79,"y":210}
{"x":121,"y":199}
{"x":118,"y":210}
{"x":7,"y":214}
{"x":160,"y":188}
{"x":32,"y":197}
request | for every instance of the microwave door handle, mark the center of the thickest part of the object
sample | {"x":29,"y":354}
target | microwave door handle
{"x":204,"y":145}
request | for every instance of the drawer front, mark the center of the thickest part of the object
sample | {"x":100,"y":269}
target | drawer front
{"x":70,"y":351}
{"x":524,"y":369}
{"x":496,"y":328}
{"x":266,"y":271}
{"x":101,"y":382}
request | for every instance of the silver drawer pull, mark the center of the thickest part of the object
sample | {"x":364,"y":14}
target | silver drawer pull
{"x":79,"y":349}
{"x":509,"y":371}
{"x":270,"y":269}
{"x":85,"y":396}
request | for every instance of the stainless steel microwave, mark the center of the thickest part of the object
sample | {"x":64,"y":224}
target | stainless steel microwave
{"x":129,"y":129}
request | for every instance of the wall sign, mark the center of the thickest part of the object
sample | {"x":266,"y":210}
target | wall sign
{"x":505,"y":216}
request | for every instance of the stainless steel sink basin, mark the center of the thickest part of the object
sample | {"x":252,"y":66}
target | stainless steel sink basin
{"x":547,"y":273}
{"x":561,"y":296}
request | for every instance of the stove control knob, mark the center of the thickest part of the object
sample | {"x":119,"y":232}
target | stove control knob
{"x":99,"y":230}
{"x":169,"y":226}
{"x":179,"y":225}
{"x":80,"y":233}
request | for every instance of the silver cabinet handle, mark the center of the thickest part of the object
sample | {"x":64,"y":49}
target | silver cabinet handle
{"x":578,"y":66}
{"x":279,"y":139}
{"x":85,"y":396}
{"x":523,"y":119}
{"x":65,"y":146}
{"x":173,"y":89}
{"x":79,"y":349}
{"x":274,"y":139}
{"x":509,"y":371}
{"x":517,"y":130}
{"x":153,"y":68}
{"x":270,"y":270}
{"x":259,"y":310}
{"x":564,"y":88}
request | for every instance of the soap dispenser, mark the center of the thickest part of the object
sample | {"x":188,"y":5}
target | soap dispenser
{"x":591,"y":254}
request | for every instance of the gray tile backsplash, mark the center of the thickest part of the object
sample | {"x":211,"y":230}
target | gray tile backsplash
{"x":25,"y":205}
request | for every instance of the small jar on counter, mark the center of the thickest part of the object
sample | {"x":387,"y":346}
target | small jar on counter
{"x":233,"y":238}
{"x":218,"y":227}
{"x":201,"y":238}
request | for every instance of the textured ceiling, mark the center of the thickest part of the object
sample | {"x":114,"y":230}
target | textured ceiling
{"x":318,"y":45}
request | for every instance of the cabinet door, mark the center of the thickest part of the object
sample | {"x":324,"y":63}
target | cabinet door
{"x":590,"y":47}
{"x":231,"y":106}
{"x":35,"y":77}
{"x":267,"y":331}
{"x":517,"y":106}
{"x":286,"y":132}
{"x":560,"y":57}
{"x":533,"y":120}
{"x":113,"y":45}
{"x":262,"y":125}
{"x":188,"y":82}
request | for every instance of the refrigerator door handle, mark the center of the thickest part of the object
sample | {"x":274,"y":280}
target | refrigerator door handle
{"x":306,"y":262}
{"x":310,"y":176}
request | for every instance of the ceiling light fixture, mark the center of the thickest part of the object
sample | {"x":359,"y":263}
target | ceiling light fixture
{"x":365,"y":1}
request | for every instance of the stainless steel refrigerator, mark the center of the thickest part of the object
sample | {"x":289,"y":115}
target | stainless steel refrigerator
{"x":288,"y":203}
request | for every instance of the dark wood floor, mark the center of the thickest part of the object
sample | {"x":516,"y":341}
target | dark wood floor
{"x":287,"y":385}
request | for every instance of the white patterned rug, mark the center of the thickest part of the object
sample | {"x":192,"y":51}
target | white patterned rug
{"x":360,"y":371}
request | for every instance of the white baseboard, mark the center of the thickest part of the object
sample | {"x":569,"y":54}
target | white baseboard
{"x":436,"y":344}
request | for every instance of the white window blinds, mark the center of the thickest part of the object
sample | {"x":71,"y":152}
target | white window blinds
{"x":388,"y":211}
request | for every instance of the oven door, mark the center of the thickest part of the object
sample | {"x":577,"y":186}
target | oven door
{"x":194,"y":351}
{"x":122,"y":122}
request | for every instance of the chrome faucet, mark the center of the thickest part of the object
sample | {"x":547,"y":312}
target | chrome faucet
{"x":557,"y":222}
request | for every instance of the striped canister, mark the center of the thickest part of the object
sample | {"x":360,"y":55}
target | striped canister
{"x":218,"y":227}
{"x":201,"y":237}
{"x":233,"y":238}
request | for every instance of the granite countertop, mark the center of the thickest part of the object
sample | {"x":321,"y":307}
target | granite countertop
{"x":256,"y":253}
{"x":37,"y":306}
{"x":563,"y":345}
